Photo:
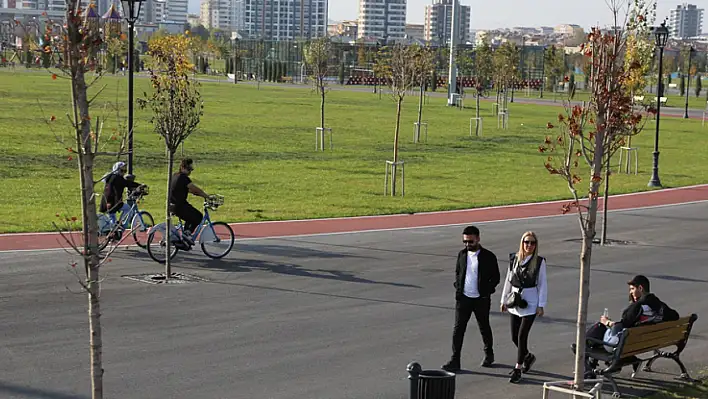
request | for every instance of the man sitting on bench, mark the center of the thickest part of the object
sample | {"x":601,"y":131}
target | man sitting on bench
{"x":644,"y":308}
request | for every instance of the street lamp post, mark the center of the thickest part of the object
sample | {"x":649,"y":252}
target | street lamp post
{"x":131,"y":11}
{"x":688,"y":79}
{"x":661,"y":34}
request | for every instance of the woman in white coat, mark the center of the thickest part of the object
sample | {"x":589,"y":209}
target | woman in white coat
{"x":525,"y":280}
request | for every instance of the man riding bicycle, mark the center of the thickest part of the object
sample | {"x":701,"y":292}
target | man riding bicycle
{"x":179,"y":189}
{"x":116,"y":183}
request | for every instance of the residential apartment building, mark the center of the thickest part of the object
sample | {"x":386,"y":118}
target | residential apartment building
{"x":344,"y":28}
{"x":567,"y":29}
{"x":284,"y":19}
{"x":685,"y":21}
{"x":171,"y":11}
{"x":218,"y":14}
{"x":40,"y":5}
{"x":438,"y":22}
{"x":415,"y":31}
{"x":382,"y":19}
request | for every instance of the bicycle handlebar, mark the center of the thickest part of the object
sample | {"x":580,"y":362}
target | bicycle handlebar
{"x":214,"y":201}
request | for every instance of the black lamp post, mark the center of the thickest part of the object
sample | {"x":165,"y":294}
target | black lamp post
{"x":661,"y":34}
{"x":131,"y":11}
{"x":691,"y":50}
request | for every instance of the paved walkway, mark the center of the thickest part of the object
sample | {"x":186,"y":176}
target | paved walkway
{"x":40,"y":241}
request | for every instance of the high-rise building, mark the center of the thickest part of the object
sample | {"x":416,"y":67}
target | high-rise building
{"x":283,"y":19}
{"x":438,"y":22}
{"x":218,"y":14}
{"x":169,"y":11}
{"x":104,"y":5}
{"x":382,"y":19}
{"x":44,"y":5}
{"x":686,"y":21}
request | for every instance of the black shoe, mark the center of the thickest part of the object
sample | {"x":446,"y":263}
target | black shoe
{"x":589,"y":375}
{"x":451,"y":366}
{"x":488,"y":360}
{"x":528,"y":363}
{"x":515,"y":376}
{"x":187,"y":238}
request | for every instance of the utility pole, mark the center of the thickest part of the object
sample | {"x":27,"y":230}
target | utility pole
{"x":452,"y":74}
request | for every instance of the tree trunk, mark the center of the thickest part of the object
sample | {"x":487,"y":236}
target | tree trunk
{"x":89,"y":220}
{"x":605,"y":204}
{"x":168,"y":219}
{"x":322,"y":107}
{"x":476,"y":128}
{"x":395,"y":146}
{"x":234,"y":68}
{"x":420,"y":111}
{"x":588,"y":230}
{"x":583,"y":298}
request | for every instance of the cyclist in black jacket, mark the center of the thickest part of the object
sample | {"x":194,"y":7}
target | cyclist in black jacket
{"x":112,"y":199}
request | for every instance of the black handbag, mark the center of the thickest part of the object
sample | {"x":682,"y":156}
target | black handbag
{"x":514,"y":299}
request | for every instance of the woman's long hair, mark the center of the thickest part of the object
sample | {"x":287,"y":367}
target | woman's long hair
{"x":522,"y":254}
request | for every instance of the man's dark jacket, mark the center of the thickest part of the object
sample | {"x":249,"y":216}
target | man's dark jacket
{"x":635,"y":313}
{"x":487,"y":273}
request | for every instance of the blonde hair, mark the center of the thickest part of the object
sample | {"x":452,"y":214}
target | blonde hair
{"x":522,"y":253}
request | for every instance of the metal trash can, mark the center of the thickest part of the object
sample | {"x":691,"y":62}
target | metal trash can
{"x":430,"y":384}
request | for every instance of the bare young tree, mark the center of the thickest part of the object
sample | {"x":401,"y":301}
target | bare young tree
{"x":74,"y":45}
{"x":483,"y":73}
{"x":317,"y":59}
{"x":396,"y":64}
{"x":176,"y":106}
{"x":589,"y":134}
{"x":506,"y":61}
{"x":424,"y":65}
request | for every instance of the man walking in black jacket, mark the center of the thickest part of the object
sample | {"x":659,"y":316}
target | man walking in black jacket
{"x":476,"y":279}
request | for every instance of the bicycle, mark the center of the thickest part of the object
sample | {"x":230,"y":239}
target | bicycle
{"x":215,"y":238}
{"x":112,"y":232}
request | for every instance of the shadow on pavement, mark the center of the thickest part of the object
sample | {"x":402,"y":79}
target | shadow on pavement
{"x":12,"y":389}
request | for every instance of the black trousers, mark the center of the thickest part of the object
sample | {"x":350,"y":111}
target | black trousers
{"x":520,"y":329}
{"x":191,"y":216}
{"x":464,"y":308}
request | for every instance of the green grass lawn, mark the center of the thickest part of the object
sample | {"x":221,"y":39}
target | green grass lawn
{"x":698,"y":390}
{"x":673,"y":100}
{"x":256,"y":147}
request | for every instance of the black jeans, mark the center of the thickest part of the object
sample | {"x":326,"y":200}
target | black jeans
{"x":191,"y":216}
{"x":520,"y":329}
{"x":464,"y":308}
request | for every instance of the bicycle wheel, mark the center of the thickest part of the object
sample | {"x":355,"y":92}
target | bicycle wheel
{"x":218,"y":242}
{"x":140,"y":226}
{"x":105,"y":232}
{"x":157,"y":246}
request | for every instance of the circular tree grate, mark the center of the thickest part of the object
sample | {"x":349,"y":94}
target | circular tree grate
{"x":159,"y":278}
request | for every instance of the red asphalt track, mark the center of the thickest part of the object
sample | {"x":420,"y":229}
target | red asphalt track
{"x":43,"y":241}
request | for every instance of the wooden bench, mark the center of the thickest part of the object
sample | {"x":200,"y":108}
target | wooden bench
{"x":636,"y":341}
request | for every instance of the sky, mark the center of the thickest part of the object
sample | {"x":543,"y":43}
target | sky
{"x":488,"y":14}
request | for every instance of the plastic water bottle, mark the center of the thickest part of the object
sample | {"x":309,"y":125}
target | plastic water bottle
{"x":606,"y":313}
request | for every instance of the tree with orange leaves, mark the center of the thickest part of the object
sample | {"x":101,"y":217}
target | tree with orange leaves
{"x":586,"y":137}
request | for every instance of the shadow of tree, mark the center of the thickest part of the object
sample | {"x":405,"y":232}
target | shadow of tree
{"x":12,"y":389}
{"x":291,"y":251}
{"x":196,"y":262}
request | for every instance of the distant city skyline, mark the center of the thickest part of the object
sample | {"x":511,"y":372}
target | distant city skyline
{"x":496,"y":14}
